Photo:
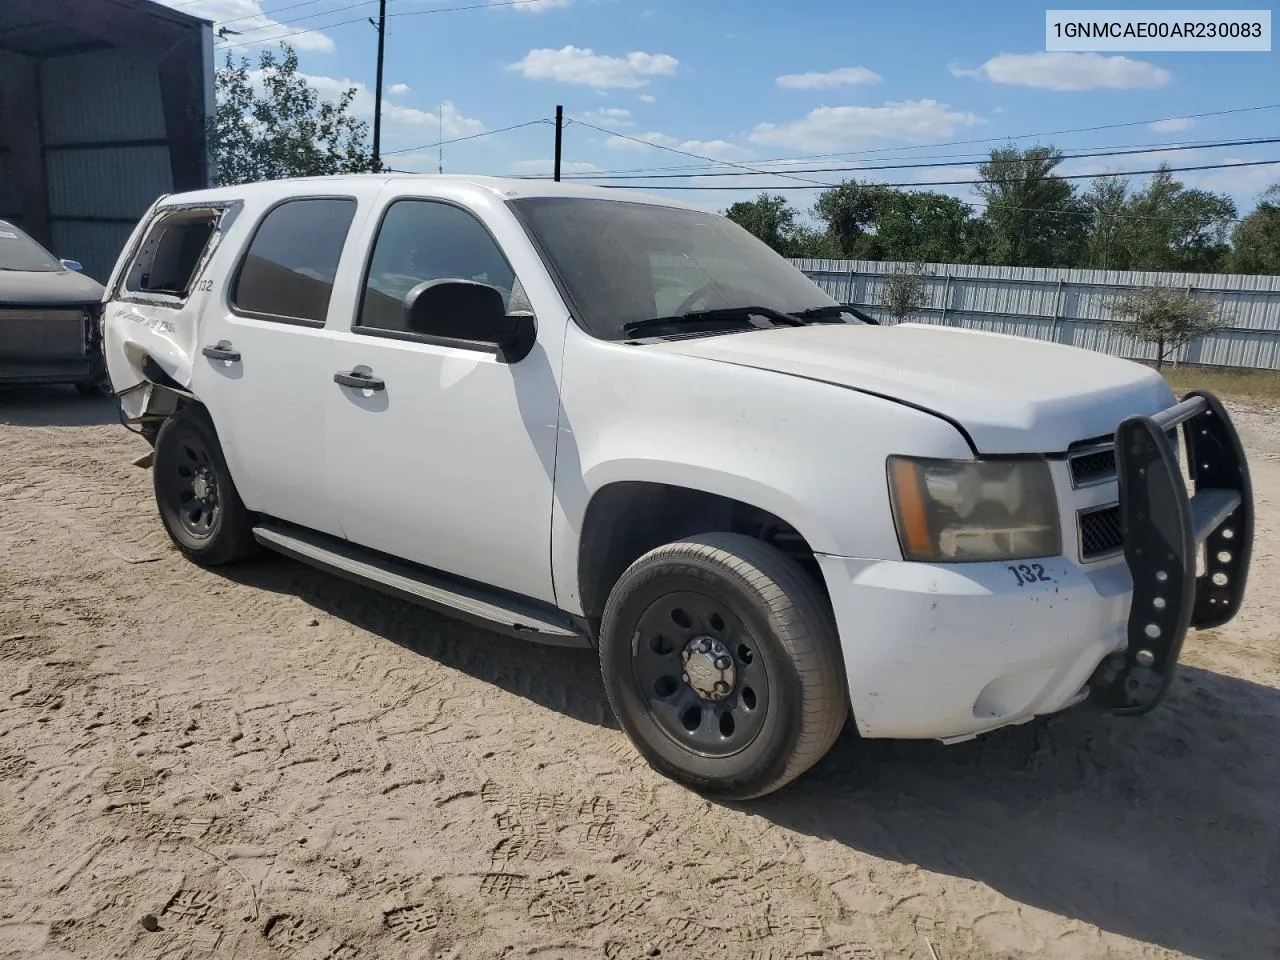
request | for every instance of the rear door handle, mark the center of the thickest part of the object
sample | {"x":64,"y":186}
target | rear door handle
{"x":222,"y":350}
{"x":358,"y":379}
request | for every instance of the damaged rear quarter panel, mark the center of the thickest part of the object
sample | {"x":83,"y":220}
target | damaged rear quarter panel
{"x":159,"y":326}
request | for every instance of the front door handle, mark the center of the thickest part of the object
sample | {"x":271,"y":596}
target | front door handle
{"x":222,"y":350}
{"x":359,"y":379}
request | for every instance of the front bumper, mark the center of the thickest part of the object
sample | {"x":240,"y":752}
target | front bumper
{"x":943,"y":651}
{"x":947,"y":651}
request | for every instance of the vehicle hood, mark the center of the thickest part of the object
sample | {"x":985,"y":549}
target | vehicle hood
{"x":35,"y":289}
{"x":1010,"y":394}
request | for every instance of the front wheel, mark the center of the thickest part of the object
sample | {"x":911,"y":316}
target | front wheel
{"x":721,"y":661}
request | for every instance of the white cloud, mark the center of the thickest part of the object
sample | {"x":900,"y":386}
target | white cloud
{"x":843,"y":77}
{"x":398,"y":89}
{"x":534,"y":6}
{"x":842,"y":128}
{"x":252,"y":27}
{"x":585,"y":67}
{"x":545,"y":168}
{"x":608,"y":117}
{"x":1172,"y":125}
{"x":396,"y":118}
{"x":712,"y":149}
{"x":1243,"y":185}
{"x":646,"y":98}
{"x":1069,"y":71}
{"x":448,"y":118}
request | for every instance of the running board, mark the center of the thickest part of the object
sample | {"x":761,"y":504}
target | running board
{"x":464,"y":601}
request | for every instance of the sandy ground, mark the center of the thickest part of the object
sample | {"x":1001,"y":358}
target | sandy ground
{"x":272,"y":763}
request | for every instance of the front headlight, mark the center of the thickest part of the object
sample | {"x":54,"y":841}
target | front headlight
{"x":971,"y":510}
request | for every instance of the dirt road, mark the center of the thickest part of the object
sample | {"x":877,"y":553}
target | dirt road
{"x":272,"y":763}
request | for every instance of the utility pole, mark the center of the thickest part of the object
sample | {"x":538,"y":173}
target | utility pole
{"x":559,"y":137}
{"x":440,"y":138}
{"x":377,"y":96}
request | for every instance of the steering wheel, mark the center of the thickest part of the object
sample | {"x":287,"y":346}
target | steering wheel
{"x":694,"y":297}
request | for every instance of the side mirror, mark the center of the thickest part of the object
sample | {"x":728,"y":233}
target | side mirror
{"x":471,"y":312}
{"x":72,"y":265}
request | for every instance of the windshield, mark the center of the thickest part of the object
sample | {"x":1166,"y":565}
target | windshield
{"x":623,"y":263}
{"x":20,"y":252}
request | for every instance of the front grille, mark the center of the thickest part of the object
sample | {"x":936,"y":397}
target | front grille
{"x":1096,"y":463}
{"x":42,"y":334}
{"x":1091,"y":468}
{"x":1100,"y":533}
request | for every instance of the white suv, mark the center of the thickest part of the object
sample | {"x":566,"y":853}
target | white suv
{"x":603,"y":419}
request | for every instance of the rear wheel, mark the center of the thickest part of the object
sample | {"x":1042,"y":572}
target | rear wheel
{"x":195,"y":494}
{"x":721,"y":661}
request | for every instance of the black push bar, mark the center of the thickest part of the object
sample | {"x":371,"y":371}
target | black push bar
{"x":1163,"y":529}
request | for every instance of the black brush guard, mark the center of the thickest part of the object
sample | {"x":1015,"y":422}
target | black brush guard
{"x":1164,"y":529}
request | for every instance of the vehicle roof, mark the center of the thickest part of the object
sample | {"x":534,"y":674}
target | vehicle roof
{"x":508,"y":188}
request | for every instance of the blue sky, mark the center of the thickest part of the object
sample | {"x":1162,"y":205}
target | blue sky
{"x":754,"y":83}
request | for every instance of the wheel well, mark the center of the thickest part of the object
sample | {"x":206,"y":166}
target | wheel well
{"x":167,"y":399}
{"x":626,"y":520}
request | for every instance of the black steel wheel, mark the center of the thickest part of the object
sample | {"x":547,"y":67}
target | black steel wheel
{"x":196,"y":496}
{"x":721,"y":662}
{"x":695,"y":662}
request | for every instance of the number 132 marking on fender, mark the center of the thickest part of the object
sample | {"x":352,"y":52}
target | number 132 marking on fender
{"x":1026,"y":573}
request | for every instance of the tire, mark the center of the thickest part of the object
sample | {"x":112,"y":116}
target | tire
{"x":189,"y":463}
{"x":785,"y":686}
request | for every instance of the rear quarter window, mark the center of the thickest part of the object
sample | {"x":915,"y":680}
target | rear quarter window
{"x":172,"y":253}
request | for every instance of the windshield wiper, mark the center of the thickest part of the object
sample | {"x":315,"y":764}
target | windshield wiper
{"x":727,"y":317}
{"x":831,"y":314}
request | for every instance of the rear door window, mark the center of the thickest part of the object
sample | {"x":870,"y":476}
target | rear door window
{"x":289,"y":269}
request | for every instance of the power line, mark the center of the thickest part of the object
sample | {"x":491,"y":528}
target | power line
{"x":963,"y":183}
{"x":308,"y":16}
{"x":304,"y":3}
{"x":1162,"y":148}
{"x":473,"y":136}
{"x":697,"y":156}
{"x":351,"y":6}
{"x":955,"y":143}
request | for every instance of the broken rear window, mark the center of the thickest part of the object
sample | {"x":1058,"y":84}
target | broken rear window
{"x":172,"y":253}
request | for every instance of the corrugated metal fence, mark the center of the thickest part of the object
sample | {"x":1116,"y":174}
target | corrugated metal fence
{"x":1070,"y":306}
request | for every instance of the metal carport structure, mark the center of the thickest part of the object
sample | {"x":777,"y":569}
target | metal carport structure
{"x":104,"y":105}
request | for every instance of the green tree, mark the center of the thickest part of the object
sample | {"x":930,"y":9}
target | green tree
{"x":849,"y":213}
{"x":1034,"y":217}
{"x":1107,"y":201}
{"x":905,"y":291}
{"x":1256,"y":242}
{"x":770,"y":218}
{"x":280,"y":127}
{"x":809,"y":242}
{"x":1166,"y":317}
{"x":922,"y":227}
{"x":1169,"y":227}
